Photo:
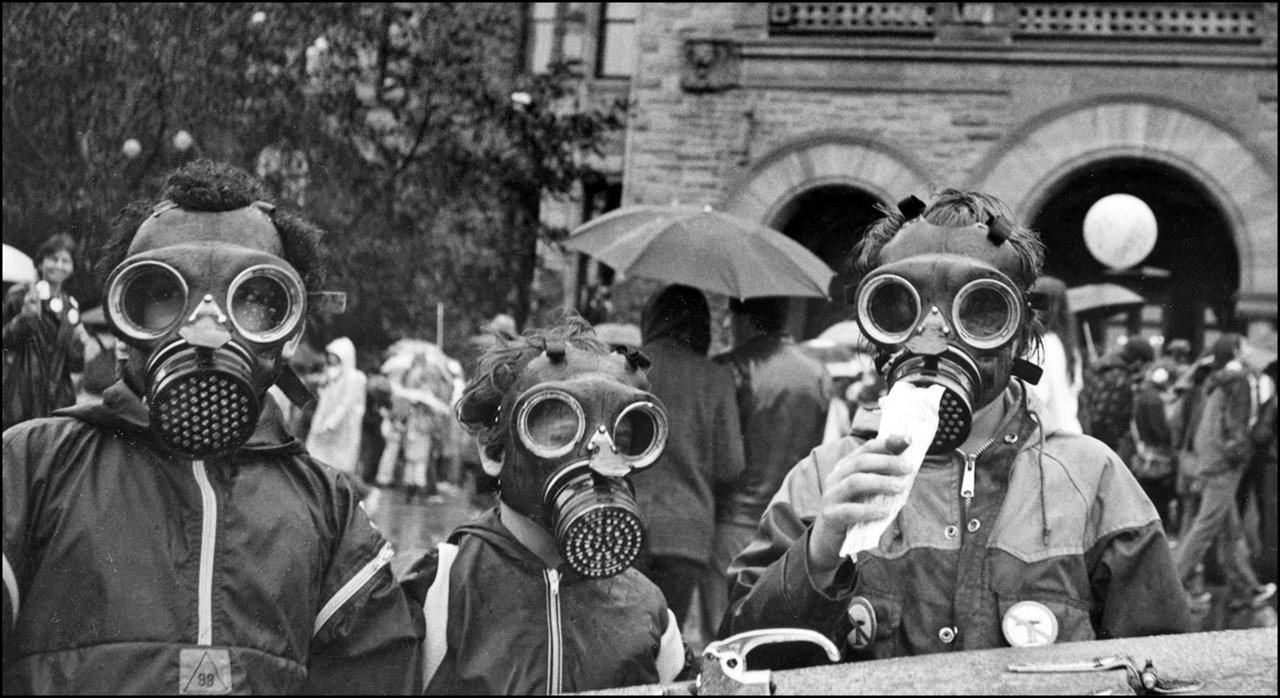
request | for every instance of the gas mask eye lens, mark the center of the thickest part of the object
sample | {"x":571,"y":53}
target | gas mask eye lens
{"x":640,"y":433}
{"x":260,"y":304}
{"x":891,"y":307}
{"x":986,"y":313}
{"x":551,"y":423}
{"x":146,"y":299}
{"x":266,"y":302}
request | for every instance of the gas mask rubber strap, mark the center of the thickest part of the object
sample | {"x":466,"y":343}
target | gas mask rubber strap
{"x":1027,"y":371}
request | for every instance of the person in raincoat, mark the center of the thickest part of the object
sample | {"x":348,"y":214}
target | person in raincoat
{"x":336,"y":426}
{"x":174,"y":538}
{"x":1010,"y":532}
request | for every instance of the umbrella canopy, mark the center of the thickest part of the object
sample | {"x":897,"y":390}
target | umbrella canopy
{"x":18,"y":267}
{"x":1097,"y":297}
{"x":703,"y":248}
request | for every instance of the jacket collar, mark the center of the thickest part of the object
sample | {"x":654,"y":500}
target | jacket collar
{"x":123,"y":411}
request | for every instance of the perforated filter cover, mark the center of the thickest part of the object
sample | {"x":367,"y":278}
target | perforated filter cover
{"x":204,"y":413}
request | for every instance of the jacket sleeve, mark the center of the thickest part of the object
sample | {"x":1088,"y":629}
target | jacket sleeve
{"x":368,"y":634}
{"x":1136,"y":589}
{"x":730,"y":461}
{"x":772,"y":586}
{"x":16,"y":486}
{"x":1235,"y":421}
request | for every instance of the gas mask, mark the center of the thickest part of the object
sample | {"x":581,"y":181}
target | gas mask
{"x":208,"y":300}
{"x":943,"y":310}
{"x":580,"y":424}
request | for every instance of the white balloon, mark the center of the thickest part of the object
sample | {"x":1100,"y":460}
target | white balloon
{"x":1120,"y":230}
{"x":132,"y":148}
{"x":182,"y":140}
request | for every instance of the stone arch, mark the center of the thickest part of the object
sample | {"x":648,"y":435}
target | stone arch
{"x":822,"y":158}
{"x":1238,"y":175}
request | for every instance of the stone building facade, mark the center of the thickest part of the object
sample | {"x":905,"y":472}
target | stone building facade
{"x":805,"y":116}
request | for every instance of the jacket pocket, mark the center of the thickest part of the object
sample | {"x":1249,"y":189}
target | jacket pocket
{"x":1025,"y":626}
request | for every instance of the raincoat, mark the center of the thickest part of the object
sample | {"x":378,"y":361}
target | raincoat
{"x":130,"y":570}
{"x":336,"y":427}
{"x":513,"y":626}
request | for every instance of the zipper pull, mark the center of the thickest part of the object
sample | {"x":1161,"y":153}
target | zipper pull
{"x":966,"y":484}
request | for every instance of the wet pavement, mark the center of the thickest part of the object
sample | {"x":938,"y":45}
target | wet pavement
{"x":415,"y":523}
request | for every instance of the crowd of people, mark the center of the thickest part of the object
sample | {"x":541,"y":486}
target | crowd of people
{"x":645,"y":500}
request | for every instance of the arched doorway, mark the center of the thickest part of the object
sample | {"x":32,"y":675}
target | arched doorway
{"x":828,"y":220}
{"x":1194,"y":245}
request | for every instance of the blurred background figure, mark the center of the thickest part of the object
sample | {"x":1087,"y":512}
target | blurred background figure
{"x":1059,"y":387}
{"x":1152,"y":458}
{"x":1106,"y":399}
{"x":1263,"y":436}
{"x":783,"y":397}
{"x":43,"y":338}
{"x":1221,"y":448}
{"x":418,"y":420}
{"x":334,"y":437}
{"x":704,"y":452}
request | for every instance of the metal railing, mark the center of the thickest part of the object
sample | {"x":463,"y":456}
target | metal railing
{"x":1217,"y":22}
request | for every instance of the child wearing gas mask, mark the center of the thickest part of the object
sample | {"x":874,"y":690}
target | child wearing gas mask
{"x":1012,"y":533}
{"x":538,"y":595}
{"x":175,"y":538}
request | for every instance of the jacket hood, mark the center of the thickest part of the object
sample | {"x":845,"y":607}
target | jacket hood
{"x":681,"y":313}
{"x":123,"y":412}
{"x":345,"y":350}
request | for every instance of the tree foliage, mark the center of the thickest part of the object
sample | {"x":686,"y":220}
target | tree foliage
{"x":392,"y":125}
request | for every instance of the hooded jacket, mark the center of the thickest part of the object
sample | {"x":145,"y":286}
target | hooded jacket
{"x":516,"y":627}
{"x":1055,"y":518}
{"x":1221,"y":438}
{"x":130,"y":570}
{"x":704,"y":447}
{"x":334,"y":437}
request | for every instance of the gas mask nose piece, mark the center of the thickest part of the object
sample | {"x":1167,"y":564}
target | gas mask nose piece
{"x":201,"y":402}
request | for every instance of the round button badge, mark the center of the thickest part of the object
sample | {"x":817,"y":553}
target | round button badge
{"x":1029,"y":624}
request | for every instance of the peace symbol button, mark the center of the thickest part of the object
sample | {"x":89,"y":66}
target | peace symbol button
{"x":1029,"y":624}
{"x":863,"y":616}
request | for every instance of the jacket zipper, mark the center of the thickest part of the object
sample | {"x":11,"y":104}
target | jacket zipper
{"x":555,"y":641}
{"x":967,"y":483}
{"x":208,"y":537}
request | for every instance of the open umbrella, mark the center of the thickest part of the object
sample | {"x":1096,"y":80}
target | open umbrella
{"x":18,"y":267}
{"x":1091,"y":298}
{"x":703,"y":248}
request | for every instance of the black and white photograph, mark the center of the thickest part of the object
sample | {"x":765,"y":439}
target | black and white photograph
{"x":668,"y":348}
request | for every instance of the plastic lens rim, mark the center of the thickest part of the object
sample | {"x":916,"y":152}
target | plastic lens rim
{"x":659,"y":441}
{"x":873,"y":330}
{"x":119,"y":284}
{"x":292,"y":285}
{"x":1012,"y":319}
{"x":522,"y":424}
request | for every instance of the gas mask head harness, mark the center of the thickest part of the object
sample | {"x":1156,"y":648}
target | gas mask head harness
{"x":943,"y":299}
{"x":579,"y":423}
{"x":210,"y":301}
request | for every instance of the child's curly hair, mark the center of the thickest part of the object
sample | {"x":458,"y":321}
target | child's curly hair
{"x":480,"y":408}
{"x":204,"y":185}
